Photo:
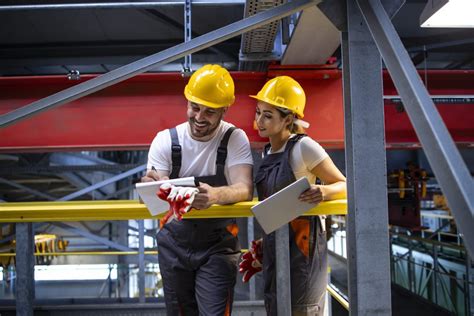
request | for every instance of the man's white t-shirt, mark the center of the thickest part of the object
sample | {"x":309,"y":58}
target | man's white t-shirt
{"x":306,"y":155}
{"x":199,"y":158}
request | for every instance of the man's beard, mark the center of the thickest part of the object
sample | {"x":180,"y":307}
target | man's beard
{"x":204,"y":131}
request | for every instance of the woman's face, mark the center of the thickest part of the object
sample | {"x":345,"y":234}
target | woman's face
{"x":269,"y":120}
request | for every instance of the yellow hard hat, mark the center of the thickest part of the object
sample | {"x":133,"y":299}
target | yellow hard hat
{"x":212,"y":86}
{"x":284,"y":92}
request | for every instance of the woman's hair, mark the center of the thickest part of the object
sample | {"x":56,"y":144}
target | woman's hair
{"x":294,"y":128}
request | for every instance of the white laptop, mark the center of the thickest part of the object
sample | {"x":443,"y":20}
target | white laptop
{"x":282,"y":207}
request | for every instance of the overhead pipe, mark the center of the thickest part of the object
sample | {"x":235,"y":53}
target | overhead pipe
{"x":115,"y":5}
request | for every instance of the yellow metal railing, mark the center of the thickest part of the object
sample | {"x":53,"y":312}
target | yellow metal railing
{"x":84,"y":253}
{"x":125,"y":209}
{"x":338,"y":297}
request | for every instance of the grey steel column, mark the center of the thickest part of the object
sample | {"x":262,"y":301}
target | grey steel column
{"x":25,"y":269}
{"x":328,"y":309}
{"x":444,"y":158}
{"x":187,"y":33}
{"x":435,"y":272}
{"x":470,"y":285}
{"x":123,"y":264}
{"x":367,"y":221}
{"x":283,"y":281}
{"x":410,"y":268}
{"x":141,"y":261}
{"x":161,"y":58}
{"x":250,"y":237}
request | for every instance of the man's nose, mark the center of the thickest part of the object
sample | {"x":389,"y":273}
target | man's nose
{"x":199,"y":116}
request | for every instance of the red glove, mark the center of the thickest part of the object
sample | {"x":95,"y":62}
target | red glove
{"x":179,"y":199}
{"x":251,"y":262}
{"x":163,"y":193}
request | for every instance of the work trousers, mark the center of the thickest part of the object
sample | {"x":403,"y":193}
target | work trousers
{"x":198,"y":265}
{"x":308,"y":267}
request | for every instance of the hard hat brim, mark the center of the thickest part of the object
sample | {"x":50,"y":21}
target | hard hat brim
{"x":200,"y":101}
{"x":300,"y":115}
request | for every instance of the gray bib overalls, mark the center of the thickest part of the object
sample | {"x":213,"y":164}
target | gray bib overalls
{"x":198,"y":258}
{"x":308,"y":249}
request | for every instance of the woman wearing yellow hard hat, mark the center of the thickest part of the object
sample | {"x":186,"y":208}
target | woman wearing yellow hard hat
{"x":291,"y":155}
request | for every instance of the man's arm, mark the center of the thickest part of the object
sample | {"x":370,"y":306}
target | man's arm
{"x":159,"y":158}
{"x":239,"y":189}
{"x":155,"y":175}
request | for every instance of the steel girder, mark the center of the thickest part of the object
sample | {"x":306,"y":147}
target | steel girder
{"x":451,"y":172}
{"x":147,"y":63}
{"x":27,"y":189}
{"x":115,"y":5}
{"x":103,"y":183}
{"x":119,"y":116}
{"x":100,"y":239}
{"x":367,"y":221}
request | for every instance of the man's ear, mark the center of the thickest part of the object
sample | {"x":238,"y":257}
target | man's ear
{"x":289,"y":119}
{"x":224,"y":110}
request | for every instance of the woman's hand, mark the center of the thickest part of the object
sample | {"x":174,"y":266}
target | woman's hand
{"x":313,"y":195}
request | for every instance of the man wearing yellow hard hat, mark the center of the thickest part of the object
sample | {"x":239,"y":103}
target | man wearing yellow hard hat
{"x":198,"y":258}
{"x":291,"y":155}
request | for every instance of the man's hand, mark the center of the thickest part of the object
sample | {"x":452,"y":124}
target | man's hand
{"x":251,"y":261}
{"x":153,"y":175}
{"x":206,"y":197}
{"x":179,"y":199}
{"x":313,"y":195}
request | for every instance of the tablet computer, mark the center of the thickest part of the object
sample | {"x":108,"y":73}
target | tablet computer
{"x":282,"y":207}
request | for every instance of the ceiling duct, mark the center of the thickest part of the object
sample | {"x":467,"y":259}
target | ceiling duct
{"x":257,"y":45}
{"x":313,"y":40}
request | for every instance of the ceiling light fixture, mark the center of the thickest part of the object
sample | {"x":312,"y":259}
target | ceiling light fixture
{"x":448,"y":13}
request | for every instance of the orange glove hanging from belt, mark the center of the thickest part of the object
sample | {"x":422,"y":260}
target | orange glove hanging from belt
{"x":179,"y":199}
{"x":251,"y":262}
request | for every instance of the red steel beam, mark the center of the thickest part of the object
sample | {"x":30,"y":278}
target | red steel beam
{"x":127,"y":116}
{"x":458,"y":118}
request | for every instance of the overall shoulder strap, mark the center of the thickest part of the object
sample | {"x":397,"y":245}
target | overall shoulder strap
{"x":266,"y":148}
{"x":175,"y":154}
{"x":222,"y":151}
{"x":292,"y":142}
